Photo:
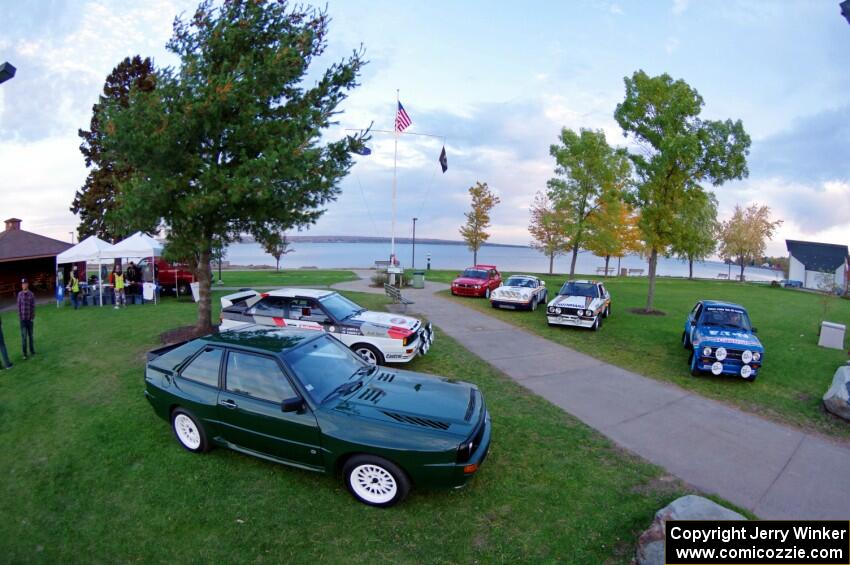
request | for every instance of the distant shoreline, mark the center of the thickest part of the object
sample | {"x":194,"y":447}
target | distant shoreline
{"x":371,"y":239}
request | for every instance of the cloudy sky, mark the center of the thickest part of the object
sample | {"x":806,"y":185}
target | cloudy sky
{"x":497,"y":81}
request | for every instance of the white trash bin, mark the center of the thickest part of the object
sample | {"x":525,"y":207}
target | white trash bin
{"x":832,"y":335}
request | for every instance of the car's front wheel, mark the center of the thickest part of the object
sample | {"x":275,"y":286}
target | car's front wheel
{"x":693,"y":361}
{"x":189,"y":431}
{"x":369,"y":353}
{"x":375,"y":481}
{"x":487,"y":293}
{"x":685,"y":343}
{"x":533,"y":306}
{"x":596,"y":323}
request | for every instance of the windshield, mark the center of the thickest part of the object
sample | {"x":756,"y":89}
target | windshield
{"x":726,"y":317}
{"x":474,"y":274}
{"x":324,"y":364}
{"x":520,"y":281}
{"x":340,"y":307}
{"x":579,"y":289}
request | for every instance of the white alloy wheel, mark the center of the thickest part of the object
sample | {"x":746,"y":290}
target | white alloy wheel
{"x":533,"y":304}
{"x":487,"y":293}
{"x":373,"y":484}
{"x":187,"y":432}
{"x":367,"y":355}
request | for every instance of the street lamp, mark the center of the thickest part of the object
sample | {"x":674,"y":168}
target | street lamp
{"x":413,"y":258}
{"x":7,"y":71}
{"x":845,"y":10}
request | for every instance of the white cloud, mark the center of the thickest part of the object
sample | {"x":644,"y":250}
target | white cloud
{"x":679,"y":6}
{"x":616,"y":9}
{"x":672,"y":45}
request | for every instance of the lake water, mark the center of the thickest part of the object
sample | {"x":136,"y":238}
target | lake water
{"x":363,"y":255}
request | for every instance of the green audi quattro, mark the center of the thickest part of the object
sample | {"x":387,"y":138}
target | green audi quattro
{"x":302,"y":398}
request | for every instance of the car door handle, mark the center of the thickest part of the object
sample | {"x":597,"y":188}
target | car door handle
{"x":227,"y":403}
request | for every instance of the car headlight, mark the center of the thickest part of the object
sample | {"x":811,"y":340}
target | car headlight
{"x":588,"y":312}
{"x":557,"y":310}
{"x":721,"y":353}
{"x":706,"y":352}
{"x":747,"y":356}
{"x":756,"y":356}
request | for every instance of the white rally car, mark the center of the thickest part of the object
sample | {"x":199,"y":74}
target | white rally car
{"x":378,"y":337}
{"x":519,"y":291}
{"x":580,"y":303}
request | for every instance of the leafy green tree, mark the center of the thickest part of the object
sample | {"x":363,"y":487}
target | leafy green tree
{"x":96,"y":200}
{"x":589,"y":171}
{"x":277,"y":246}
{"x":230,"y":142}
{"x":697,"y":228}
{"x":677,"y":152}
{"x":547,"y":228}
{"x":474,"y":231}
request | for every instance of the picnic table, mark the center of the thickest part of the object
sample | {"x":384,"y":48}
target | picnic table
{"x":635,"y":272}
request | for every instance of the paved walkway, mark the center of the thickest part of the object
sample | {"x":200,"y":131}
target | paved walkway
{"x":775,"y":471}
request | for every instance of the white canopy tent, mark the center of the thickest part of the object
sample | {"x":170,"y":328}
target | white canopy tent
{"x":90,"y":250}
{"x":138,"y":245}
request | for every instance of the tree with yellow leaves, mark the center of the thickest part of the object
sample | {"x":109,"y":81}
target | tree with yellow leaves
{"x":743,"y":237}
{"x":548,"y":228}
{"x":613,"y":231}
{"x":478,"y":218}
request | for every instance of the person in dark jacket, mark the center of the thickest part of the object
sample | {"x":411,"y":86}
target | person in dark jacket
{"x":3,"y":353}
{"x":26,"y":314}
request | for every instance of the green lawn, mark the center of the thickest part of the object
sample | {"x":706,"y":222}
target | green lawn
{"x":90,"y":474}
{"x":293,"y":277}
{"x":796,"y":372}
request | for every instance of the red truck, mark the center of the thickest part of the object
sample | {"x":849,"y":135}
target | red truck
{"x":479,"y":280}
{"x":168,"y":275}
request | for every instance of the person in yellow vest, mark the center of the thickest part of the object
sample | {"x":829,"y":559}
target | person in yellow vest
{"x":74,"y":288}
{"x":118,"y":276}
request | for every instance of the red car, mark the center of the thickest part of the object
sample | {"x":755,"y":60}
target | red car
{"x":479,"y":280}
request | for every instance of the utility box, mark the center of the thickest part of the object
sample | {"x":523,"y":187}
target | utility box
{"x":419,"y":279}
{"x":624,"y":272}
{"x":832,"y":335}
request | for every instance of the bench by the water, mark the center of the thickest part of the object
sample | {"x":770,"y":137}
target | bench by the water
{"x":382,"y":265}
{"x":723,"y":276}
{"x":602,"y":271}
{"x":395,"y":293}
{"x":635,"y":272}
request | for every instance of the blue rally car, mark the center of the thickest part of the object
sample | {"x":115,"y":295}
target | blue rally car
{"x":722,"y":340}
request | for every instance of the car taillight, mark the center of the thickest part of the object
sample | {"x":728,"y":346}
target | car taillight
{"x":403,"y":334}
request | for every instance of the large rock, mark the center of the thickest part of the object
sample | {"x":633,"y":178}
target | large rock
{"x":837,"y":398}
{"x":650,"y":550}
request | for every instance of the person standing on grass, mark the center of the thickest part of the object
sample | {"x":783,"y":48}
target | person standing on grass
{"x":120,"y":299}
{"x":26,"y":313}
{"x":3,"y":353}
{"x":74,"y":289}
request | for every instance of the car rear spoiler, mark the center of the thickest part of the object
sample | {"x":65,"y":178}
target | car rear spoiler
{"x":241,"y":296}
{"x":154,"y":353}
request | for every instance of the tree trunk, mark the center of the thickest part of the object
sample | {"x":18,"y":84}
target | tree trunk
{"x":277,"y":263}
{"x":742,"y":269}
{"x":474,"y":256}
{"x":653,"y":263}
{"x":607,"y":259}
{"x":618,"y":265}
{"x":690,"y":269}
{"x":573,"y":262}
{"x":204,"y":325}
{"x":551,"y":262}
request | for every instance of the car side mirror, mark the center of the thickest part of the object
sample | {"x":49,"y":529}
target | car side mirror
{"x":542,"y":283}
{"x":293,"y":404}
{"x":754,"y":330}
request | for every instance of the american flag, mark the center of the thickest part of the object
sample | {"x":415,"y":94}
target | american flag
{"x":402,"y":120}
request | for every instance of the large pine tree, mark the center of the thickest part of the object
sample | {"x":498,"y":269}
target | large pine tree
{"x":95,"y":201}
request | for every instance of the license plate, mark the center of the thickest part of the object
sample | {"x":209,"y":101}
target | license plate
{"x":508,"y":306}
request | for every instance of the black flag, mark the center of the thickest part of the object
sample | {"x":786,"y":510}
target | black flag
{"x":444,"y":162}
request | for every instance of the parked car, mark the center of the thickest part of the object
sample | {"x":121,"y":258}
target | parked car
{"x":580,"y":303}
{"x":169,"y":275}
{"x":378,"y":337}
{"x":722,"y":340}
{"x":479,"y":280}
{"x":786,"y":283}
{"x":302,"y":398}
{"x":519,"y":291}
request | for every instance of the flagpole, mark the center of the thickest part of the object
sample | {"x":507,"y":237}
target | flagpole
{"x":395,"y":174}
